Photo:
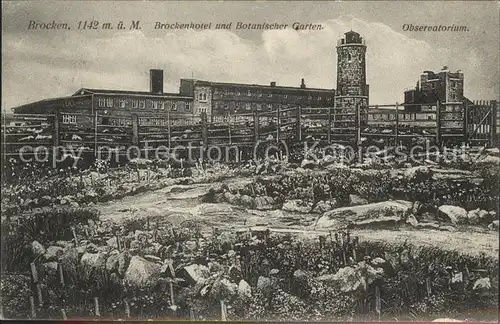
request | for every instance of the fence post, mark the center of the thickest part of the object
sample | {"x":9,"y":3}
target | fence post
{"x":204,"y":132}
{"x":465,"y":119}
{"x":95,"y":134}
{"x":329,"y":132}
{"x":396,"y":138}
{"x":493,"y":127}
{"x":169,"y":124}
{"x":4,"y":144}
{"x":256,"y":127}
{"x":135,"y":130}
{"x":278,"y":123}
{"x":55,"y":128}
{"x":438,"y":123}
{"x":299,"y":125}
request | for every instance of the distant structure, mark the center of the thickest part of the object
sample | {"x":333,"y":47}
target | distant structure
{"x":444,"y":86}
{"x":223,"y":99}
{"x":351,"y":98}
{"x":351,"y":71}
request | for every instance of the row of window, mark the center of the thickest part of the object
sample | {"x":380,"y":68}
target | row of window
{"x":143,"y":104}
{"x":249,"y":106}
{"x":259,"y":94}
{"x":412,"y":116}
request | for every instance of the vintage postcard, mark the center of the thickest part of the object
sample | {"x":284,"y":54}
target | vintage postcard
{"x":257,"y":160}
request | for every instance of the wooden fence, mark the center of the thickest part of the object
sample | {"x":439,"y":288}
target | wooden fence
{"x":445,"y":124}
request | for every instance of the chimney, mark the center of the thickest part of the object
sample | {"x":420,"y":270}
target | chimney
{"x":156,"y":81}
{"x":273,"y":83}
{"x":302,"y":84}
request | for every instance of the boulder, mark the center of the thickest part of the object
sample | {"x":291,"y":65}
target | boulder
{"x":264,"y":284}
{"x":355,"y":200}
{"x":247,"y":201}
{"x":308,"y":164}
{"x":494,"y":225}
{"x":70,"y":257}
{"x":244,"y":289}
{"x":413,"y":172}
{"x":416,"y":208}
{"x":473,"y":216}
{"x":412,"y":220}
{"x":223,"y":289}
{"x":53,"y":253}
{"x":482,"y":284}
{"x":195,"y":273}
{"x":231,"y":198}
{"x":378,"y":261}
{"x":112,"y":263}
{"x":123,"y":262}
{"x":37,"y":248}
{"x":384,"y":221}
{"x":50,"y":268}
{"x":295,"y":206}
{"x":354,"y":278}
{"x":484,"y":217}
{"x":112,"y":242}
{"x":323,"y":206}
{"x":94,"y":260}
{"x":263,"y":203}
{"x":454,"y":214}
{"x":141,"y":272}
{"x":365,"y":215}
{"x":347,"y":278}
{"x":63,"y":244}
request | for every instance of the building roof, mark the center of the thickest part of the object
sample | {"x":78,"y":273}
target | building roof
{"x":48,"y":101}
{"x":253,"y":85}
{"x":129,"y":92}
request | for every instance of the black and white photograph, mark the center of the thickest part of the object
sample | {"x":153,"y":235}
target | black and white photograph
{"x":318,"y":161}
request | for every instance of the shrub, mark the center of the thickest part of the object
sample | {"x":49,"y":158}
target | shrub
{"x":46,"y":226}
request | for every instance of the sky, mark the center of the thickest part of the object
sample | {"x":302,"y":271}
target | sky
{"x":39,"y":64}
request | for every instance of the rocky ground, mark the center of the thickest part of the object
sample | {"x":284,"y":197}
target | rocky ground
{"x":179,"y":203}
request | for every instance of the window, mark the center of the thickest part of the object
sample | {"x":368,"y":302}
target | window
{"x":109,"y":102}
{"x":135,"y":103}
{"x":429,"y":117}
{"x":226,"y":107}
{"x":69,"y":119}
{"x":202,"y":96}
{"x":238,"y":93}
{"x":122,"y":103}
{"x":269,"y":95}
{"x":249,"y":93}
{"x":154,"y":104}
{"x":174,"y":106}
{"x":433,"y":85}
{"x":188,"y":106}
{"x":142,"y":104}
{"x":102,"y":102}
{"x":162,"y":105}
{"x":269,"y":106}
{"x":285,"y":96}
{"x":319,"y":98}
{"x":248,"y":106}
{"x":259,"y":106}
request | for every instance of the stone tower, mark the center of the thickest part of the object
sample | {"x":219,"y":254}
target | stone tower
{"x":352,"y":90}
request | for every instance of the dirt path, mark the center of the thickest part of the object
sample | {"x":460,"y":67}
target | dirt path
{"x":185,"y":202}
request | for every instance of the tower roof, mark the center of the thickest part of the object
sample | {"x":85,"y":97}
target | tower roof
{"x":352,"y":37}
